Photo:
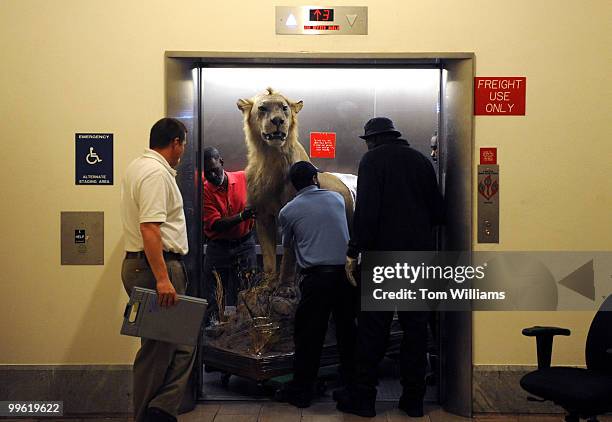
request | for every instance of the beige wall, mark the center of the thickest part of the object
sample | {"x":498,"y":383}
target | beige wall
{"x":97,"y":66}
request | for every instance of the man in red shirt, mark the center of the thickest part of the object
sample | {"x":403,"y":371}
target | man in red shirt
{"x":228,"y":224}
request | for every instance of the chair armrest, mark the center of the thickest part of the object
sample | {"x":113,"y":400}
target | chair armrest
{"x":544,"y":340}
{"x":538,"y":331}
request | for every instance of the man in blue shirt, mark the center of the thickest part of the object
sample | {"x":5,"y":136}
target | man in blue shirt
{"x":314,"y":227}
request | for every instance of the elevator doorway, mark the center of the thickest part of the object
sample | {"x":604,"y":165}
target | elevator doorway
{"x":423,"y":96}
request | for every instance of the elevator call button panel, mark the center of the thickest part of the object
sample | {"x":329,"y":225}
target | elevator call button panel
{"x":488,"y":203}
{"x":82,"y":238}
{"x":318,"y":20}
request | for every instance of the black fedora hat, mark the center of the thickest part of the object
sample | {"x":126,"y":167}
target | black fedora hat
{"x":379,"y":125}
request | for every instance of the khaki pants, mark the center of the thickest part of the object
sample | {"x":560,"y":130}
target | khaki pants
{"x":161,"y":370}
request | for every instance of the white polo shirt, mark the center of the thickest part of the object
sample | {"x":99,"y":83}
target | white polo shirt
{"x":149,"y":194}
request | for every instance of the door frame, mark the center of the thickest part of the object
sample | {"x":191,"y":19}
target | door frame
{"x":456,"y":132}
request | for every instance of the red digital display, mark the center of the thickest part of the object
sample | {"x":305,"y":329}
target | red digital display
{"x":321,"y":15}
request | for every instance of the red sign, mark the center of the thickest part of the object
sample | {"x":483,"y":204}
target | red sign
{"x":488,"y":155}
{"x":323,"y":27}
{"x":322,"y":145}
{"x":500,"y":96}
{"x":489,"y":186}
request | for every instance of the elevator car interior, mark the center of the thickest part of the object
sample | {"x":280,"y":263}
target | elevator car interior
{"x":424,"y":96}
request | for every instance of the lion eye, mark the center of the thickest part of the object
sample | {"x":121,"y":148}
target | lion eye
{"x":262,"y":108}
{"x":285,"y":108}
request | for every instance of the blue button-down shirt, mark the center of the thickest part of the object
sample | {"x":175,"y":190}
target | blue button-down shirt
{"x":314,"y":222}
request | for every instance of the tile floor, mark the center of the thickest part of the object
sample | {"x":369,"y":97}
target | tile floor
{"x":326,"y":412}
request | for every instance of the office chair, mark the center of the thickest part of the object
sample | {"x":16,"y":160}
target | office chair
{"x":583,"y":393}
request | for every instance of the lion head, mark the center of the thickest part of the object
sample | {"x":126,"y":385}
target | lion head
{"x":270,"y":118}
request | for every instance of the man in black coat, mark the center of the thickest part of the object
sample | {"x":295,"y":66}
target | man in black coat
{"x":397,"y":207}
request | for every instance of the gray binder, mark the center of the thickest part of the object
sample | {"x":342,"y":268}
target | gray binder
{"x":179,"y":324}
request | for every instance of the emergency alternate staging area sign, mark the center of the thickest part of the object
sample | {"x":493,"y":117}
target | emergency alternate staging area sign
{"x":94,"y":158}
{"x":500,"y":96}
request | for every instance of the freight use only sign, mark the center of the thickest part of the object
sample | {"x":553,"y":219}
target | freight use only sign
{"x":499,"y":96}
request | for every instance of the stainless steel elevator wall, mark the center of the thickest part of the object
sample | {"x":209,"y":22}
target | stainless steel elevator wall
{"x":336,"y":100}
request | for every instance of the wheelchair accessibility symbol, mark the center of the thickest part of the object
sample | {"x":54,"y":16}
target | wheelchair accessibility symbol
{"x":92,"y":157}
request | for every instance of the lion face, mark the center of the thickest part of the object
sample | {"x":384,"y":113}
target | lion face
{"x":270,"y":117}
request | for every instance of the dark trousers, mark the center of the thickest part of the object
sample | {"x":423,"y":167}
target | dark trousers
{"x":161,"y":370}
{"x":231,"y":260}
{"x":324,"y":293}
{"x":374,"y":328}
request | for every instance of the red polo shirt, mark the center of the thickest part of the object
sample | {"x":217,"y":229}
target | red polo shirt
{"x":220,"y":203}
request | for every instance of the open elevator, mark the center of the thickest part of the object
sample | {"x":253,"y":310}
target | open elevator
{"x":426,"y":96}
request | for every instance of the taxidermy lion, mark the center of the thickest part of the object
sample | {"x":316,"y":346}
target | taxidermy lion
{"x":271,"y":136}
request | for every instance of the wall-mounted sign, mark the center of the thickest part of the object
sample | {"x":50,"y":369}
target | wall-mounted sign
{"x":322,"y":145}
{"x":488,"y":155}
{"x":94,"y":158}
{"x":315,"y":20}
{"x":500,"y":96}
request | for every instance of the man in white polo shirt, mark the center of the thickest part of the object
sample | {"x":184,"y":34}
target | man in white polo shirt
{"x":155,"y":242}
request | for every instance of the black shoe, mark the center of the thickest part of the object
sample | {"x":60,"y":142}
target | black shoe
{"x":412,"y":407}
{"x":341,"y":394}
{"x":155,"y":414}
{"x":300,"y":400}
{"x":297,"y":396}
{"x":358,"y":400}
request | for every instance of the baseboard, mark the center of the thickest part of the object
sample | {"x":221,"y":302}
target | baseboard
{"x":84,"y":389}
{"x":496,"y":389}
{"x":107,"y":389}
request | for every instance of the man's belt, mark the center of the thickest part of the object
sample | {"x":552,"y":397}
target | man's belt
{"x":231,"y":243}
{"x":141,"y":255}
{"x":318,"y":269}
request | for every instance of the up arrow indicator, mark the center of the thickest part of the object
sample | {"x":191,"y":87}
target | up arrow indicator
{"x":351,"y":19}
{"x":291,"y":21}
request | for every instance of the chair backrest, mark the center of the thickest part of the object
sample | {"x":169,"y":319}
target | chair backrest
{"x":599,"y":339}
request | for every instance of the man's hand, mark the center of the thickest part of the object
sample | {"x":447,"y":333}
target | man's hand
{"x":350,"y":267}
{"x":248,"y":212}
{"x":166,"y":295}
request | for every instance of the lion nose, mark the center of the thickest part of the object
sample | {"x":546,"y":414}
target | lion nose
{"x":278,"y":121}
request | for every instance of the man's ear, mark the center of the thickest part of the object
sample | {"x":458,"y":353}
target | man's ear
{"x":244,"y":105}
{"x":296,"y":107}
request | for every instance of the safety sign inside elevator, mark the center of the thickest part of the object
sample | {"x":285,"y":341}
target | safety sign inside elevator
{"x":322,"y":145}
{"x":94,"y":158}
